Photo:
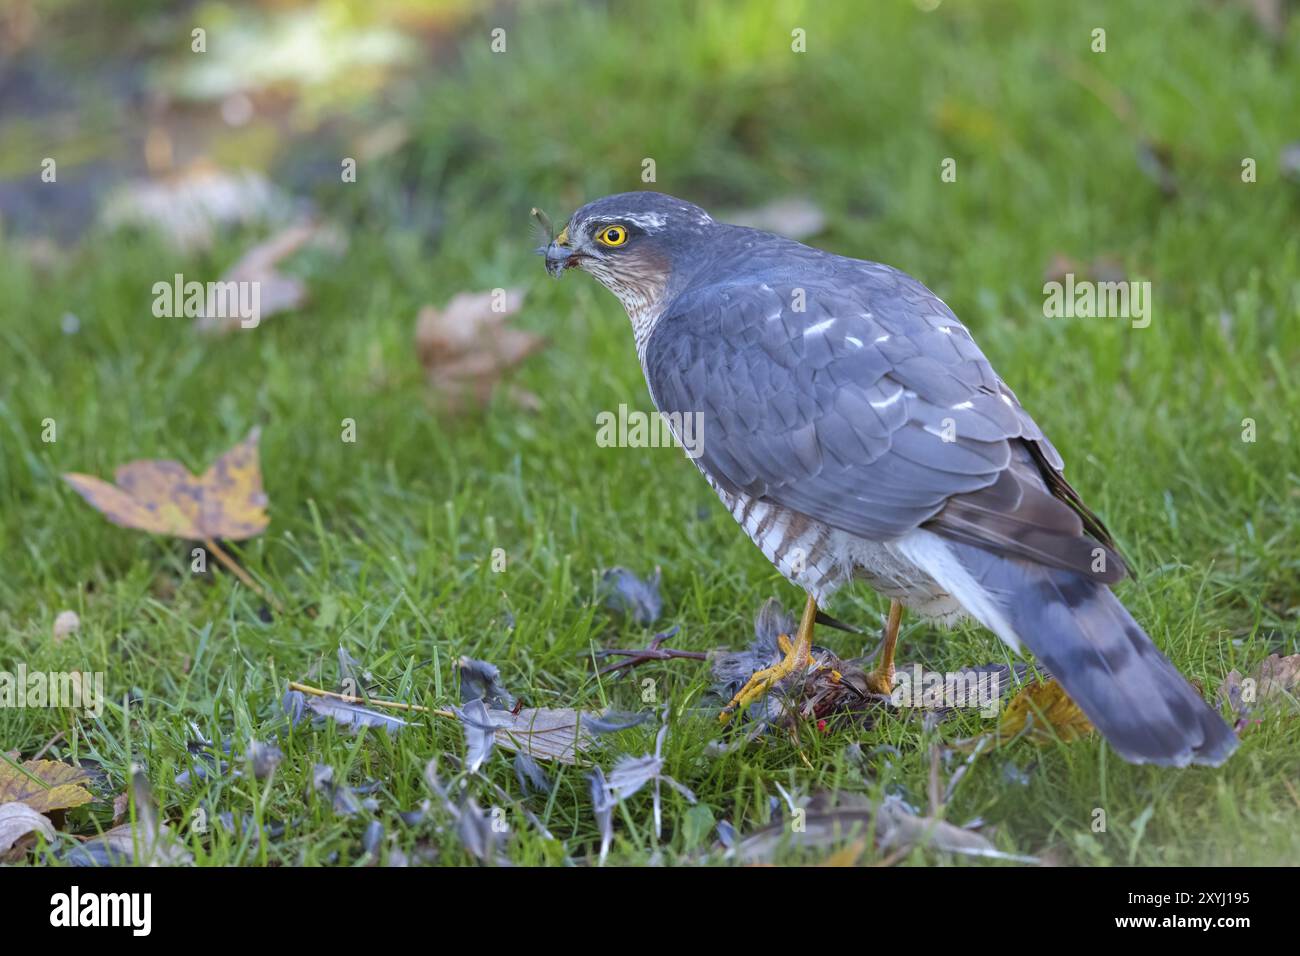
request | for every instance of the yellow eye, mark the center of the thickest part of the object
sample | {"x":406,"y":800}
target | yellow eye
{"x":612,"y":235}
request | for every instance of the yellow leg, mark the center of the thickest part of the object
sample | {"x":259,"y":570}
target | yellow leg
{"x":881,"y":680}
{"x":796,"y":659}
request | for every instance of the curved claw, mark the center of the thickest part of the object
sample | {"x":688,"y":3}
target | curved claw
{"x":762,"y":682}
{"x":796,"y":658}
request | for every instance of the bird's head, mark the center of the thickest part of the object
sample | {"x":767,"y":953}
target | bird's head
{"x":634,"y":243}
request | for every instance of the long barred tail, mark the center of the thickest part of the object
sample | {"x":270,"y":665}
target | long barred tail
{"x":1130,"y":691}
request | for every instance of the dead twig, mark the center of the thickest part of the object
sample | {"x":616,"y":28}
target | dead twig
{"x":653,"y":652}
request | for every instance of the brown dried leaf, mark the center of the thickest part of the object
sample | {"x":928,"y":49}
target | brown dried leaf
{"x":467,"y":346}
{"x":1277,"y":676}
{"x":17,"y":820}
{"x":121,"y":807}
{"x":1276,"y":679}
{"x":277,"y":292}
{"x":43,"y":785}
{"x":162,"y":497}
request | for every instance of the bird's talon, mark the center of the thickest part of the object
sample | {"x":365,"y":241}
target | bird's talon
{"x":881,"y":682}
{"x":796,"y":658}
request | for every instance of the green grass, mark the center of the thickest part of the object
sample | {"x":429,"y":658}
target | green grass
{"x":396,"y":530}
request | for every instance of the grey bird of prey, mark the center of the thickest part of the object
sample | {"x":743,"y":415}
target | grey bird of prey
{"x":855,"y":430}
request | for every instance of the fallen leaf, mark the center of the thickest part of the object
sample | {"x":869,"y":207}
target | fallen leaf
{"x":1277,"y":677}
{"x":121,"y":807}
{"x":162,"y":497}
{"x":467,"y":346}
{"x":1043,"y":713}
{"x":276,"y":291}
{"x":44,"y":785}
{"x":17,"y":820}
{"x":848,"y":856}
{"x":1274,"y":681}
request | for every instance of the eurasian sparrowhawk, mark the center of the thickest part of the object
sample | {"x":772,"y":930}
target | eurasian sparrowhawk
{"x":855,"y":430}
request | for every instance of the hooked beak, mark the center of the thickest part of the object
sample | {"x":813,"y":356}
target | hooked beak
{"x":560,"y":255}
{"x":559,"y":258}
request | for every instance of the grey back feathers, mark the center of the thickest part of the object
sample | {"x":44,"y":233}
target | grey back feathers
{"x":847,"y":391}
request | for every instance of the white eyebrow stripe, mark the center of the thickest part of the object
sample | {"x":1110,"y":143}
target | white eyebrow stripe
{"x":650,"y":222}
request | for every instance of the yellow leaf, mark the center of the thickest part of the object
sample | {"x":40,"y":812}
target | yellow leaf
{"x":159,"y":516}
{"x":1043,"y":712}
{"x":848,"y":855}
{"x":43,"y":785}
{"x":162,"y":497}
